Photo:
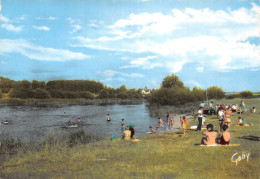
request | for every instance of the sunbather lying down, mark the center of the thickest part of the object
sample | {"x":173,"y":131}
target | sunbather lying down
{"x":242,"y":122}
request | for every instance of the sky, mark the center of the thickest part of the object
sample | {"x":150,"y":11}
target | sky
{"x":133,"y":42}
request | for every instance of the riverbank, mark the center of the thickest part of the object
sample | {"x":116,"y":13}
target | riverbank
{"x":56,"y":101}
{"x":167,"y":155}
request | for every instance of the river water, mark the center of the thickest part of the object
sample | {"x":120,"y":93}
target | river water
{"x":28,"y":122}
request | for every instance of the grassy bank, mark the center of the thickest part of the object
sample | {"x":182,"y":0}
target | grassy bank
{"x":168,"y":155}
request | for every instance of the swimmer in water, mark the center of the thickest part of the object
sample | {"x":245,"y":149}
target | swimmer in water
{"x":108,"y":117}
{"x":122,"y":123}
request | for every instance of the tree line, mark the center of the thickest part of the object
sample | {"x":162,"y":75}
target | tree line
{"x":171,"y":92}
{"x":65,"y":89}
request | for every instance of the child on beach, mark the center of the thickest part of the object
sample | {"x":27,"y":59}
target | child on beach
{"x":158,"y":126}
{"x":181,"y":121}
{"x":160,"y":121}
{"x":152,"y":131}
{"x":184,"y":125}
{"x":172,"y":121}
{"x":169,"y":120}
{"x":108,"y":117}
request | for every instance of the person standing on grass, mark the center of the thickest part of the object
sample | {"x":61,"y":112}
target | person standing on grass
{"x":181,"y":121}
{"x":184,"y":125}
{"x":221,"y":118}
{"x":200,"y":115}
{"x":242,"y":107}
{"x":228,"y":114}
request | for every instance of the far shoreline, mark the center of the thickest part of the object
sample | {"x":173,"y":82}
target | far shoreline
{"x":57,"y":101}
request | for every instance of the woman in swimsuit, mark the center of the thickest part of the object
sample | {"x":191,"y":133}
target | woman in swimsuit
{"x":225,"y":137}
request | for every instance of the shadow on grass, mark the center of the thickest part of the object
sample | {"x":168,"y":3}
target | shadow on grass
{"x":253,"y":138}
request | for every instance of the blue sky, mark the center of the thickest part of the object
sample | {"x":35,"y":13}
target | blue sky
{"x":133,"y":42}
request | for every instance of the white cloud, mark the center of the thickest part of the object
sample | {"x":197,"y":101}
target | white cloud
{"x":52,"y":18}
{"x":45,"y":28}
{"x":213,"y":39}
{"x":48,"y":18}
{"x":200,"y":69}
{"x":176,"y":66}
{"x":76,"y":28}
{"x":36,"y":52}
{"x":12,"y":28}
{"x":143,"y":62}
{"x":111,"y":73}
{"x":4,"y":19}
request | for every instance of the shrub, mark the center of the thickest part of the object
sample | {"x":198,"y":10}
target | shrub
{"x":87,"y":95}
{"x":232,"y":96}
{"x":71,"y":95}
{"x":122,"y":95}
{"x":21,"y":93}
{"x":57,"y":94}
{"x":41,"y":94}
{"x":246,"y":94}
{"x":103,"y":94}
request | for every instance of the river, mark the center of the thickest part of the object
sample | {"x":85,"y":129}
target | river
{"x":30,"y":122}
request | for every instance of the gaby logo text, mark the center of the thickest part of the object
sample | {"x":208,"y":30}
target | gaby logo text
{"x":237,"y":158}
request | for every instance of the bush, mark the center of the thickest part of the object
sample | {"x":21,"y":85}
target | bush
{"x":171,"y":96}
{"x":87,"y":95}
{"x":122,"y":95}
{"x":57,"y":94}
{"x":21,"y":93}
{"x":41,"y":94}
{"x":232,"y":96}
{"x":103,"y":94}
{"x":246,"y":94}
{"x":71,"y":95}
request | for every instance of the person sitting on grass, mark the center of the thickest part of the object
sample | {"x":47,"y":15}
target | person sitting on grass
{"x":127,"y":134}
{"x":225,"y":137}
{"x":210,"y":136}
{"x":132,"y":130}
{"x":241,"y":121}
{"x":152,"y":131}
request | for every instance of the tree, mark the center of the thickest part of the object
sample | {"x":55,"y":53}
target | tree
{"x":215,"y":92}
{"x":172,"y":81}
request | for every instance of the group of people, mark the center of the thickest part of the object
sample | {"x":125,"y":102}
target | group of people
{"x":210,"y":136}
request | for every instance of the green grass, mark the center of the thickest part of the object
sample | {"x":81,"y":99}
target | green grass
{"x":168,"y":155}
